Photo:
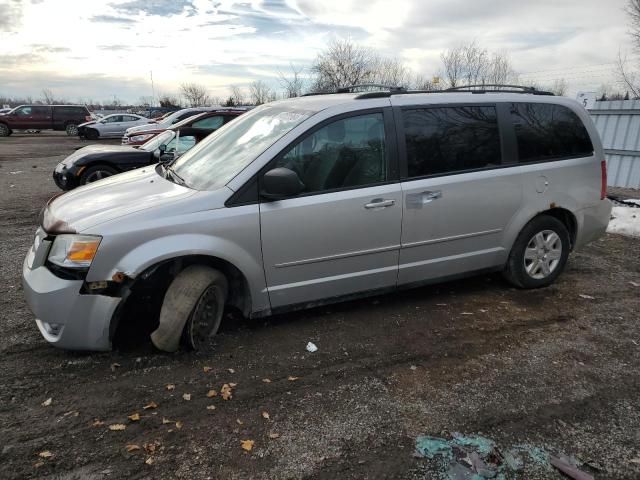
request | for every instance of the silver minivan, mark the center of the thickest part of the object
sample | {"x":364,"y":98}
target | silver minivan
{"x":311,"y":200}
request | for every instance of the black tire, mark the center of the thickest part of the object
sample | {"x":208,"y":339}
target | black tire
{"x":71,"y":129}
{"x":544,"y":263}
{"x":192,"y":309}
{"x":96,"y":173}
{"x":5,"y":131}
{"x":91,"y":134}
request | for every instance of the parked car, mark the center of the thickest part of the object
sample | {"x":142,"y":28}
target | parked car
{"x":167,"y":122}
{"x":311,"y":200}
{"x":111,"y":126}
{"x":5,"y":110}
{"x":95,"y":162}
{"x":213,"y":119}
{"x":44,"y":117}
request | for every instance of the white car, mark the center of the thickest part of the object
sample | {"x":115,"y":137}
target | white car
{"x":111,"y":126}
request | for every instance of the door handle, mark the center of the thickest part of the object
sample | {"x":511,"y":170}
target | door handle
{"x":379,"y":203}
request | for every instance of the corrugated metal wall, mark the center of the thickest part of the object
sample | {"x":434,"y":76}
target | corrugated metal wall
{"x":618,"y":123}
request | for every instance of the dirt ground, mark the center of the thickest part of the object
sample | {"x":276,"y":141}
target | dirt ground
{"x":545,"y":368}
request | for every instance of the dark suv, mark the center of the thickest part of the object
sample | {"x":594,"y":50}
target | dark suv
{"x":44,"y":117}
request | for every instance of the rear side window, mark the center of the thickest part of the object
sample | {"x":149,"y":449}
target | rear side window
{"x":209,"y":122}
{"x":70,"y":111}
{"x":451,"y":139}
{"x":548,"y":132}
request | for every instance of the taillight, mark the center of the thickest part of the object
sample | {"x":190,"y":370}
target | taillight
{"x":603,"y":186}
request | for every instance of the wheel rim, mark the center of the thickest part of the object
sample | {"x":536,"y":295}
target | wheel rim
{"x":542,"y":255}
{"x":4,"y":130}
{"x":98,"y":175}
{"x":204,"y":317}
{"x":72,"y":130}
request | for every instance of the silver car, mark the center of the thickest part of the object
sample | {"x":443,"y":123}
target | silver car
{"x":111,"y":126}
{"x":311,"y":200}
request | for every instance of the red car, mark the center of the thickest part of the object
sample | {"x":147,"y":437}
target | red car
{"x":44,"y":117}
{"x":213,"y":119}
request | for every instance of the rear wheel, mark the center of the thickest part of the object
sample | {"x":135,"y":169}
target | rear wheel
{"x":539,"y":254}
{"x":71,"y":129}
{"x":96,"y":173}
{"x":4,"y":130}
{"x":91,"y":134}
{"x":192,"y":309}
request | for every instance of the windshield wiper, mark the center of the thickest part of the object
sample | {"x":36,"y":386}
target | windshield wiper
{"x":176,"y":178}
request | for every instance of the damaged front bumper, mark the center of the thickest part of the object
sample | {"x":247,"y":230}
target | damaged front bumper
{"x":65,"y":317}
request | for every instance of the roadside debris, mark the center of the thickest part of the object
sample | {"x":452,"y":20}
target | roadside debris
{"x":186,"y":396}
{"x":134,"y":417}
{"x":114,"y":366}
{"x":116,"y":427}
{"x":569,"y":470}
{"x":247,"y":444}
{"x":45,"y":454}
{"x":311,"y":347}
{"x":479,"y":458}
{"x":150,"y":406}
{"x":586,"y":297}
{"x":47,"y":402}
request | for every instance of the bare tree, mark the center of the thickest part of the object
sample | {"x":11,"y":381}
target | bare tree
{"x":471,"y":64}
{"x":146,"y":100}
{"x":292,"y":83}
{"x":392,"y":72}
{"x":236,"y":96}
{"x":627,"y":75}
{"x":195,"y":94}
{"x":47,"y":97}
{"x":559,"y":87}
{"x":423,"y":83}
{"x":260,"y":93}
{"x":341,"y":64}
{"x":169,"y":101}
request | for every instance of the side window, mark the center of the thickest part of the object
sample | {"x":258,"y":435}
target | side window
{"x":345,"y":153}
{"x":546,"y":132}
{"x":129,"y":118}
{"x":40,"y":111}
{"x":184,"y":144}
{"x":451,"y":139}
{"x":210,"y":122}
{"x":24,"y":111}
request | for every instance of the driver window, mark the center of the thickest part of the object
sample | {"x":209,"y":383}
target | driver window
{"x":346,"y":153}
{"x":24,"y":111}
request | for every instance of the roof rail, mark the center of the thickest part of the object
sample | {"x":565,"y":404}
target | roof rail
{"x":388,"y":90}
{"x":497,"y":87}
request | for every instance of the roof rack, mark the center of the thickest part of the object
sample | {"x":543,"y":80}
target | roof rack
{"x":387,"y":90}
{"x":497,"y":87}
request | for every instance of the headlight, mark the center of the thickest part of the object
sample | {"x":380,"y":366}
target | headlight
{"x":140,"y":138}
{"x":74,"y":251}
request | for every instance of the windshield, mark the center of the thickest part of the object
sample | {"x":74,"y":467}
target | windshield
{"x":227,"y":151}
{"x":155,"y":142}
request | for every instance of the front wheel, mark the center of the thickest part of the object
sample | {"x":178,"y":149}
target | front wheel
{"x":93,"y":174}
{"x":192,"y":309}
{"x":4,"y":130}
{"x":539,"y":254}
{"x":91,"y":134}
{"x":71,"y":129}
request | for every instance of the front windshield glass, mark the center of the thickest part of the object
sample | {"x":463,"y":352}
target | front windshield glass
{"x":227,"y":151}
{"x":155,"y":142}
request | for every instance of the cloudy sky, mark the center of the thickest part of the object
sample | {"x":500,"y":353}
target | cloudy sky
{"x":95,"y":49}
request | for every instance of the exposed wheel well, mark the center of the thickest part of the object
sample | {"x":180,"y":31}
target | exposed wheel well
{"x":568,"y":220}
{"x":142,"y":297}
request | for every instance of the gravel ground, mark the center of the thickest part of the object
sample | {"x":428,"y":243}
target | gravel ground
{"x":545,"y":368}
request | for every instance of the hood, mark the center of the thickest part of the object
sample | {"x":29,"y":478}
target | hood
{"x":111,"y":198}
{"x":146,"y":126}
{"x":87,"y":123}
{"x":96,"y":151}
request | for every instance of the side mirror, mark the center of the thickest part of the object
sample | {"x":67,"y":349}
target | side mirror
{"x":280,"y":183}
{"x":167,"y":157}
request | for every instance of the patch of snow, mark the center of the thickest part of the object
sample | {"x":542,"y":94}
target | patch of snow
{"x":625,"y":220}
